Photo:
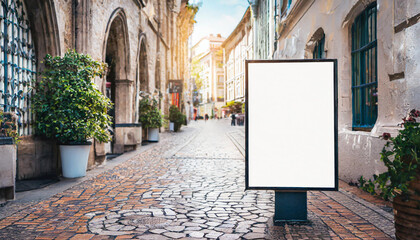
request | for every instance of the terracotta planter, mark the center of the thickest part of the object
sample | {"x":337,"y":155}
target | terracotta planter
{"x":407,"y":213}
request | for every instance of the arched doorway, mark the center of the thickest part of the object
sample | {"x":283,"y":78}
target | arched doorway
{"x":143,"y":77}
{"x":30,"y":31}
{"x":18,"y":63}
{"x":117,"y":85}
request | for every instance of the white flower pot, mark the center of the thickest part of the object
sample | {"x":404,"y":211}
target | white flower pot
{"x":74,"y":159}
{"x":171,"y":126}
{"x":153,"y":135}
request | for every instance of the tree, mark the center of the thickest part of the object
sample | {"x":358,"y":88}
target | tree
{"x":196,"y":71}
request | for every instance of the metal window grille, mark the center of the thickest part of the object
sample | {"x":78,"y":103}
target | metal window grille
{"x":319,"y":49}
{"x":364,"y":69}
{"x":17,"y":58}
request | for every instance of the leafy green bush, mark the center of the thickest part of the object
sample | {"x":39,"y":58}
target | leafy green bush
{"x":401,"y":157}
{"x":176,"y":117}
{"x":67,"y":104}
{"x":149,"y":113}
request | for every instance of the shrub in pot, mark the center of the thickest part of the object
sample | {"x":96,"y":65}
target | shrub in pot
{"x":176,"y":117}
{"x":150,"y":116}
{"x":401,"y":181}
{"x":69,"y":108}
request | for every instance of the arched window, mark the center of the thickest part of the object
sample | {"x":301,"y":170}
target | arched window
{"x":364,"y":69}
{"x":319,"y":51}
{"x":18,"y":62}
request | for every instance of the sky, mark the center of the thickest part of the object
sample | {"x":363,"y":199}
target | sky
{"x":217,"y":16}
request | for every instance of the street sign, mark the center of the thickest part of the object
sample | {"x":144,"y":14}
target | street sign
{"x":175,"y":86}
{"x":291,"y":125}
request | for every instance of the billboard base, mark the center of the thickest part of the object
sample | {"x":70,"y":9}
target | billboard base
{"x":290,"y":207}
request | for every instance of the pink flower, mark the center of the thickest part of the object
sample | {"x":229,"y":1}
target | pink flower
{"x":415,"y":113}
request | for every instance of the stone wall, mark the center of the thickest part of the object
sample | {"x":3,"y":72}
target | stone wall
{"x":397,"y":60}
{"x":37,"y":158}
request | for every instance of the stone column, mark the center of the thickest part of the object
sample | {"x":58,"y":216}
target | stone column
{"x":125,"y":134}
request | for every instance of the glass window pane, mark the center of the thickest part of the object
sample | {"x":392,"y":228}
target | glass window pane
{"x":364,"y":69}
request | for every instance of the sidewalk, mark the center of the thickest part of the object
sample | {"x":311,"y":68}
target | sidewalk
{"x":190,"y":185}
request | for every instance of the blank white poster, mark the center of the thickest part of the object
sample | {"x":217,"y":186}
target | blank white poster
{"x":291,"y":125}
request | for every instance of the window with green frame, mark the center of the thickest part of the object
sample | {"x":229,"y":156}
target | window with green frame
{"x":364,"y":69}
{"x":319,"y":52}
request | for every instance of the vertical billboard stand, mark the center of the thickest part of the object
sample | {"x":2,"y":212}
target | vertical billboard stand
{"x":291,"y":131}
{"x":290,"y":207}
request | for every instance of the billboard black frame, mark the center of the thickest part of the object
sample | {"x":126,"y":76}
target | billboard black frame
{"x":335,"y":188}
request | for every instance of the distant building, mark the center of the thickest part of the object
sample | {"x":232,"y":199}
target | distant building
{"x":207,"y":55}
{"x":237,"y":48}
{"x":376,"y":45}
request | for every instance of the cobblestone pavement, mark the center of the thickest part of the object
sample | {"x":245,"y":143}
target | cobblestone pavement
{"x":189,"y":186}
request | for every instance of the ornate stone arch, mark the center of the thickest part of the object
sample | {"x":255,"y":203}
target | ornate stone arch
{"x":142,"y":64}
{"x":142,"y":74}
{"x":43,"y":22}
{"x":38,"y":158}
{"x":117,"y":27}
{"x":118,"y":86}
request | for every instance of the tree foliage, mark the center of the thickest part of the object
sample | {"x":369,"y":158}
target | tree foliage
{"x":234,"y":107}
{"x":197,"y":71}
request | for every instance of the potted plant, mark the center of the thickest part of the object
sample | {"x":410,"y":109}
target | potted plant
{"x":150,"y":116}
{"x":8,"y":140}
{"x":401,"y":182}
{"x":70,"y":109}
{"x":176,"y":118}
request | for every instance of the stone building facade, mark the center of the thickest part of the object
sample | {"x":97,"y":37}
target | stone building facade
{"x":143,"y":42}
{"x":376,"y":44}
{"x":236,"y":49}
{"x":208,"y":55}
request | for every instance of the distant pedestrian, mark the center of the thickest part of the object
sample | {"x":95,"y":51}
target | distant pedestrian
{"x":233,"y":123}
{"x":206,"y":117}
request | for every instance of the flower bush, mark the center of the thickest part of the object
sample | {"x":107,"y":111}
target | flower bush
{"x":8,"y":126}
{"x":401,"y":157}
{"x":67,"y":104}
{"x":149,"y":113}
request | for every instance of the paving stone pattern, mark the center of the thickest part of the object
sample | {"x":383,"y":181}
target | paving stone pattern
{"x":189,"y":186}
